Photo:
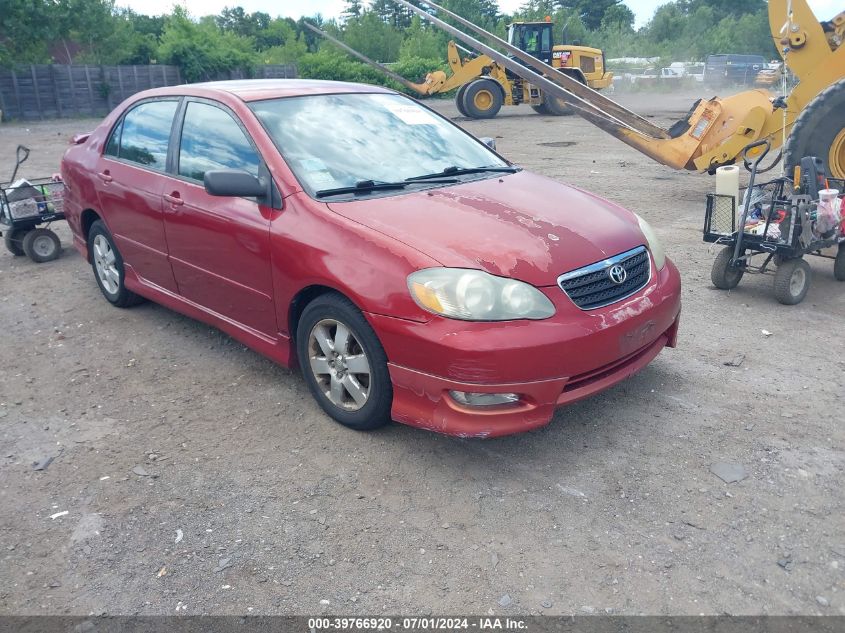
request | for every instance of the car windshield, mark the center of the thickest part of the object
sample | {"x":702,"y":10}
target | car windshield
{"x":341,"y":140}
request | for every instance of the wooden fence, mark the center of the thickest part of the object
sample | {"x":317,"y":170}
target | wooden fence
{"x":51,"y":91}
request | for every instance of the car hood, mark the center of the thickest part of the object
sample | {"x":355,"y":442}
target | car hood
{"x":521,"y":225}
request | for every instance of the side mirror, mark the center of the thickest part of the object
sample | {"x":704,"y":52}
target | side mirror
{"x":234,"y":182}
{"x":489,"y":142}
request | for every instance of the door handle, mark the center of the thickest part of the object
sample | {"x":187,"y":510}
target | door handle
{"x":174,"y":199}
{"x":105,"y":176}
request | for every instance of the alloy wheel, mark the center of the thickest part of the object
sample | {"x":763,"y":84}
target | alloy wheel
{"x":104,"y":260}
{"x":339,"y":364}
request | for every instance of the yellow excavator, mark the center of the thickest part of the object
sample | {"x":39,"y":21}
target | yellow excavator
{"x":484,"y":85}
{"x":809,"y":121}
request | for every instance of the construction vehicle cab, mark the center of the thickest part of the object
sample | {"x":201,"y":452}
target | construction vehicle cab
{"x":583,"y":63}
{"x":535,"y":38}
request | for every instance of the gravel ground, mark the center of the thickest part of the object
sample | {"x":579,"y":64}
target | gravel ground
{"x":191,"y":475}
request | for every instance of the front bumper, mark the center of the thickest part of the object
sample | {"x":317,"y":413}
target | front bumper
{"x":549,"y":363}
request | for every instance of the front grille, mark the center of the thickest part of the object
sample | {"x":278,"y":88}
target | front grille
{"x":592,"y":287}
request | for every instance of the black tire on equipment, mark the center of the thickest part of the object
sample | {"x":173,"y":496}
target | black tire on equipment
{"x":556,"y":107}
{"x":787,"y":290}
{"x":42,"y":245}
{"x":459,"y":100}
{"x":540,"y":109}
{"x":13,"y":238}
{"x":723,"y":275}
{"x":480,"y":86}
{"x":122,"y":298}
{"x":376,"y":411}
{"x":816,"y":128}
{"x":839,"y":264}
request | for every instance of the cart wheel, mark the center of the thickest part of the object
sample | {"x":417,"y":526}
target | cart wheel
{"x":792,"y":281}
{"x":14,"y":240}
{"x":723,"y":275}
{"x":839,"y":264}
{"x":42,"y":245}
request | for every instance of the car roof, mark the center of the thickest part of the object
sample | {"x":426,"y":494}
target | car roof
{"x":257,"y":89}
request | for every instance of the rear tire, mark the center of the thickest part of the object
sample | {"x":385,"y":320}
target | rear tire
{"x":820,"y":131}
{"x":346,"y":373}
{"x":540,"y":109}
{"x":723,"y":275}
{"x":483,"y":99}
{"x":13,"y":238}
{"x":107,"y":264}
{"x":839,"y":264}
{"x":42,"y":245}
{"x":556,"y":107}
{"x":792,"y":281}
{"x":459,"y":99}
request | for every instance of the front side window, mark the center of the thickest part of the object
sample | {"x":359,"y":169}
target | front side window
{"x":146,"y":134}
{"x":338,"y":140}
{"x":211,"y":139}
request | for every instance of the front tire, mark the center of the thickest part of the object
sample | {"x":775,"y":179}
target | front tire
{"x":820,"y":131}
{"x":107,"y":264}
{"x":723,"y":275}
{"x":792,"y":281}
{"x":483,"y":99}
{"x":344,"y":363}
{"x":42,"y":245}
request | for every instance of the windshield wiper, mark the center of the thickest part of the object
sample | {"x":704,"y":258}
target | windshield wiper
{"x":366,"y":186}
{"x":454,"y":170}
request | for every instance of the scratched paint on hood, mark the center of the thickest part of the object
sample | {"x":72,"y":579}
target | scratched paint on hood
{"x":521,"y":225}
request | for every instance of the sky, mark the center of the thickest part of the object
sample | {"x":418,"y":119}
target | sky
{"x":643,"y":9}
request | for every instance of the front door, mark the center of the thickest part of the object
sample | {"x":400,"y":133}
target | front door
{"x":130,"y":177}
{"x":219,"y":246}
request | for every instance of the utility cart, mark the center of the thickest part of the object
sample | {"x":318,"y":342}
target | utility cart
{"x":25,"y":205}
{"x":778,"y":226}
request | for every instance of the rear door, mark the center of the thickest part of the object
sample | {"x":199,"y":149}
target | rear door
{"x":219,"y":246}
{"x":129,"y":181}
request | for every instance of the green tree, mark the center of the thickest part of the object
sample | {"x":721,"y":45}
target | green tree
{"x":591,"y":12}
{"x":422,"y":42}
{"x":201,"y":50}
{"x":352,"y":10}
{"x":373,"y":37}
{"x":289,"y":46}
{"x":619,"y":17}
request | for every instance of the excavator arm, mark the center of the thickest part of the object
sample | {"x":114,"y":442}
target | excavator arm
{"x":716,"y":130}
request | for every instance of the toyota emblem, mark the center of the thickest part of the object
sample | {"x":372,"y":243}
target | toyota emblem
{"x":617,"y":274}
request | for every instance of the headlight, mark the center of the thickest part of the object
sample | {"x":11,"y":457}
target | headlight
{"x":473,"y":295}
{"x":654,"y":244}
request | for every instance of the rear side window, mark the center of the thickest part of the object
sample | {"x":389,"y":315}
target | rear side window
{"x":113,"y":146}
{"x":146,"y":134}
{"x":212,"y":139}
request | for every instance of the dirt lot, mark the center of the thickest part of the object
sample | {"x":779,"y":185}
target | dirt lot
{"x":612,"y":508}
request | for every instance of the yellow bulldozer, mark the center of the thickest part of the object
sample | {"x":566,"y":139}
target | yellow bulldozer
{"x":484,"y":85}
{"x":808,"y":121}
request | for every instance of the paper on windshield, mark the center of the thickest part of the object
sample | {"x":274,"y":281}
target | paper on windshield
{"x":409,"y":113}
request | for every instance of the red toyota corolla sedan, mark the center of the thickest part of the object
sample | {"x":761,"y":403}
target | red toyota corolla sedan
{"x":412,"y":272}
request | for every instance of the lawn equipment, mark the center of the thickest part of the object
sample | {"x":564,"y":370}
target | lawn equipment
{"x":26,"y":204}
{"x":781,"y":221}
